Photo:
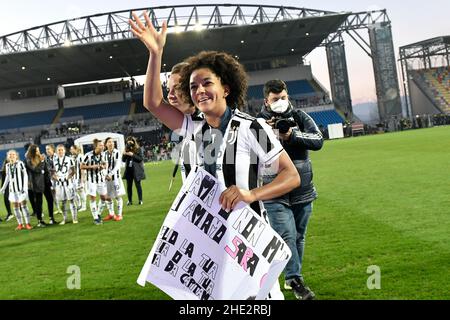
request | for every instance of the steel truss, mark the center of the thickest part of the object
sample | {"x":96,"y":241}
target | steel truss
{"x":378,"y":45}
{"x":114,"y":25}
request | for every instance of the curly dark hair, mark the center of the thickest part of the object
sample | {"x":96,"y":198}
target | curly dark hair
{"x":225,"y":67}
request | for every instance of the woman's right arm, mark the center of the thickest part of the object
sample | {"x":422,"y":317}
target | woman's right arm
{"x":138,"y":156}
{"x":153,"y":95}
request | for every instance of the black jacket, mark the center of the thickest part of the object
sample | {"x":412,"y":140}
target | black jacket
{"x":4,"y":174}
{"x":36,"y":176}
{"x":134,"y":166}
{"x":306,"y":136}
{"x":48,"y":170}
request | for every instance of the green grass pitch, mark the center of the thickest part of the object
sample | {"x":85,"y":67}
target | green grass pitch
{"x":384,"y":200}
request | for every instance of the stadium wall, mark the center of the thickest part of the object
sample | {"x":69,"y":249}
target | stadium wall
{"x":13,"y":107}
{"x":420,"y":103}
{"x":93,"y":100}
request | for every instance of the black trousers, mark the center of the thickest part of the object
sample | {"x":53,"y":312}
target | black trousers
{"x":130,"y":189}
{"x":6,"y":200}
{"x":36,"y":203}
{"x":32,"y":200}
{"x":49,"y":197}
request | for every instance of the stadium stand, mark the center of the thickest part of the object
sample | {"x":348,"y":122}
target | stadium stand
{"x":324,"y":118}
{"x":436,"y":84}
{"x":439,"y":80}
{"x":139,"y":109}
{"x":27,"y":119}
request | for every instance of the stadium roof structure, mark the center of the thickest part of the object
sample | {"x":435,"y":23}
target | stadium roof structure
{"x":426,"y":54}
{"x":102,"y":46}
{"x":439,"y":46}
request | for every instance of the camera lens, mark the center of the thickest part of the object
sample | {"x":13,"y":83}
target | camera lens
{"x":282,"y":126}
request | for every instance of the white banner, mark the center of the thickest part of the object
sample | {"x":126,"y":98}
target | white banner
{"x":204,"y":253}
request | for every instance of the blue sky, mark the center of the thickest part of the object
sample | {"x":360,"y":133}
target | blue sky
{"x":412,"y":21}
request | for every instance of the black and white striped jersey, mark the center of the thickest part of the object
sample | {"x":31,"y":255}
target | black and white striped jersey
{"x":247,"y":145}
{"x":95,"y":175}
{"x":78,"y":159}
{"x":16,"y":176}
{"x":62,"y":168}
{"x":114,"y":161}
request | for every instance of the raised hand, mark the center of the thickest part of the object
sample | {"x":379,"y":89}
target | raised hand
{"x":153,"y":40}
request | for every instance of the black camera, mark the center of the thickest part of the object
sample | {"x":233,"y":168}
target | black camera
{"x":284,"y":124}
{"x":130,"y":146}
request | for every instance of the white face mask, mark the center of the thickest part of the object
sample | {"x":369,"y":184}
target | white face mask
{"x":280,"y":106}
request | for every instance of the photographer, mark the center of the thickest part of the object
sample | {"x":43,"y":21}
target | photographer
{"x":134,"y":168}
{"x":36,"y":169}
{"x":289,"y":214}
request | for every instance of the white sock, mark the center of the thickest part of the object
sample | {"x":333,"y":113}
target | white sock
{"x":93,"y":205}
{"x":101,"y":206}
{"x":73,"y":210}
{"x":64,"y":209}
{"x":18,"y":215}
{"x":77,"y":199}
{"x":110,"y":206}
{"x":83,"y":198}
{"x":26,"y":213}
{"x":119,"y":206}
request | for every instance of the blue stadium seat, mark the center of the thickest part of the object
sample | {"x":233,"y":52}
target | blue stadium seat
{"x":324,"y":118}
{"x":140,"y":106}
{"x":299,"y":87}
{"x":24,"y":120}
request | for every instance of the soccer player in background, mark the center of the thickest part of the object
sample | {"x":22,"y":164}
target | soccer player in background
{"x":79,"y":179}
{"x":17,"y":179}
{"x":175,"y":99}
{"x":114,"y":183}
{"x":64,"y":170}
{"x":95,"y":164}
